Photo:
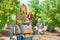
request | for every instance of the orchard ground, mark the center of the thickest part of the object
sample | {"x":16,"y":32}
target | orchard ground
{"x":46,"y":36}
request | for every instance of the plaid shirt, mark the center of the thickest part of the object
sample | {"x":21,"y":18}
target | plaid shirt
{"x":40,"y":25}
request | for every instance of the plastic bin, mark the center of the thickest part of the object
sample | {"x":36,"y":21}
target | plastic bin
{"x":35,"y":32}
{"x":28,"y":38}
{"x":19,"y":37}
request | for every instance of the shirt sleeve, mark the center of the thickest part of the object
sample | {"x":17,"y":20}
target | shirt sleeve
{"x":27,"y":16}
{"x":40,"y":25}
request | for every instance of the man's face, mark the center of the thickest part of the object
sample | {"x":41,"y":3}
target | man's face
{"x":38,"y":21}
{"x":30,"y":13}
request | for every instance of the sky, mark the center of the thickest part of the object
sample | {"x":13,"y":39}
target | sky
{"x":26,"y":1}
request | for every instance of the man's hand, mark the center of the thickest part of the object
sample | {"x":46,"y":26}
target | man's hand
{"x":36,"y":28}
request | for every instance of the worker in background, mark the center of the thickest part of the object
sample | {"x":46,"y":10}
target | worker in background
{"x":40,"y":27}
{"x":30,"y":17}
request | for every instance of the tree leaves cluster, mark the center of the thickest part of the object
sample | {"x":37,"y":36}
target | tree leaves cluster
{"x":8,"y":8}
{"x":48,"y":11}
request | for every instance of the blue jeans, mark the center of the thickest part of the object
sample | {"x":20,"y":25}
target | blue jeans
{"x":21,"y":28}
{"x":29,"y":23}
{"x":12,"y":29}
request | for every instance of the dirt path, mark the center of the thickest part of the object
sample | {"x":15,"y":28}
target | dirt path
{"x":4,"y":38}
{"x":46,"y":36}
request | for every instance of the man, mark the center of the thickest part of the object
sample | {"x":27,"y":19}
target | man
{"x":29,"y":16}
{"x":40,"y":26}
{"x":21,"y":17}
{"x":12,"y":25}
{"x":19,"y":20}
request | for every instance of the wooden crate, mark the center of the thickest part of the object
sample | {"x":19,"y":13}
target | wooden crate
{"x":6,"y":32}
{"x":0,"y":33}
{"x":27,"y":29}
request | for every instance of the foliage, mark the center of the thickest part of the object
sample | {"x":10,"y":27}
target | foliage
{"x":48,"y":11}
{"x":8,"y":8}
{"x":34,"y":6}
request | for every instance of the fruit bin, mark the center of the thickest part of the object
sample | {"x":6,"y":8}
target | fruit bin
{"x":19,"y":37}
{"x":35,"y":32}
{"x":27,"y":36}
{"x":30,"y":38}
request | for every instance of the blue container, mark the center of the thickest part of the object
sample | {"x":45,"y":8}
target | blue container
{"x":19,"y":37}
{"x":28,"y":38}
{"x":35,"y":32}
